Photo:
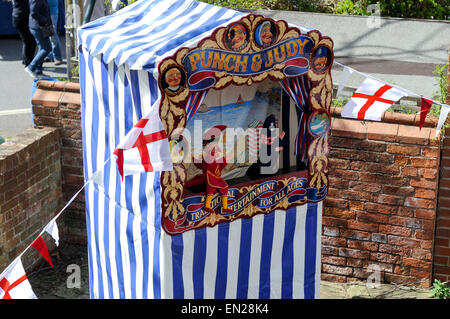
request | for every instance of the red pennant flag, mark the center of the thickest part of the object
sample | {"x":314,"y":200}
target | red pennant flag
{"x":425,"y":106}
{"x":41,"y":247}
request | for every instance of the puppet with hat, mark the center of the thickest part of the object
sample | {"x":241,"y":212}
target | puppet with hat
{"x":212,"y":164}
{"x":269,"y":138}
{"x":237,"y":37}
{"x":320,"y":59}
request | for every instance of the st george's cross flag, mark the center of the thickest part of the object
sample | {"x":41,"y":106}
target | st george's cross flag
{"x":145,"y":147}
{"x":371,"y":99}
{"x":14,"y":282}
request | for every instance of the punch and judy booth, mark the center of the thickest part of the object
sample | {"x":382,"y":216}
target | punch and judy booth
{"x":205,"y":138}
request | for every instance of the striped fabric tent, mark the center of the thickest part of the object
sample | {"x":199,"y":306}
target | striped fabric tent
{"x":274,"y":255}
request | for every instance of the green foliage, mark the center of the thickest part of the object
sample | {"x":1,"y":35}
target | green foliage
{"x":120,"y":3}
{"x":2,"y":140}
{"x":289,"y":5}
{"x":75,"y":71}
{"x":351,"y":7}
{"x":340,"y":102}
{"x":441,"y":73}
{"x":257,"y":4}
{"x":441,"y":77}
{"x":418,"y":9}
{"x":440,"y":290}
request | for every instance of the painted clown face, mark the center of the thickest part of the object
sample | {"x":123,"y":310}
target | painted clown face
{"x":239,"y":38}
{"x":266,"y":35}
{"x":173,"y":78}
{"x":320,"y":62}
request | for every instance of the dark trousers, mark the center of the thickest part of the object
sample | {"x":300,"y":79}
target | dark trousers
{"x":44,"y":48}
{"x":28,"y":44}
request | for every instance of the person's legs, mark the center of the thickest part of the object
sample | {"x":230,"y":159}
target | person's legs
{"x":44,"y":47}
{"x":28,"y":44}
{"x":55,"y":54}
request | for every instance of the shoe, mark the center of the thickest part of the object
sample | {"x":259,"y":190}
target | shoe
{"x":48,"y":60}
{"x":31,"y":73}
{"x":58,"y":62}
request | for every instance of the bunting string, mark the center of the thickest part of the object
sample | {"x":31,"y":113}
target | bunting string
{"x":39,"y":244}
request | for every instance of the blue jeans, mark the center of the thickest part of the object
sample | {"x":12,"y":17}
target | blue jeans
{"x":55,"y":54}
{"x":43,"y":48}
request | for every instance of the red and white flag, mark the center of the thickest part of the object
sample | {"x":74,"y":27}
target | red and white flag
{"x":14,"y":283}
{"x":371,"y":99}
{"x":145,"y":148}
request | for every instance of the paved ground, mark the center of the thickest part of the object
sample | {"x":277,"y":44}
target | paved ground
{"x":51,"y":283}
{"x":16,"y":86}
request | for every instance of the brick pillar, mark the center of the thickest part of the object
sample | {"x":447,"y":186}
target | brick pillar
{"x":441,"y":256}
{"x":57,"y":104}
{"x":30,"y":192}
{"x":381,"y":204}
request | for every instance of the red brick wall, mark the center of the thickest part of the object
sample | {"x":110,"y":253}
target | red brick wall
{"x":57,"y":104}
{"x":30,"y":191}
{"x":381,"y":204}
{"x":441,"y":259}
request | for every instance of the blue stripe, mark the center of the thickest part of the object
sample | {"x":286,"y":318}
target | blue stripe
{"x":177,"y":266}
{"x":127,"y":104}
{"x":266,"y":256}
{"x":97,"y":241}
{"x":106,"y":173}
{"x":310,"y":251}
{"x":128,"y":108}
{"x":129,"y":233}
{"x":154,"y":89}
{"x":94,"y":125}
{"x":287,"y":254}
{"x":244,"y":258}
{"x":117,"y":195}
{"x":136,"y":93}
{"x":106,"y":178}
{"x":93,"y":161}
{"x":143,"y":203}
{"x":157,"y":239}
{"x":117,"y":214}
{"x":222,"y":260}
{"x":198,"y":267}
